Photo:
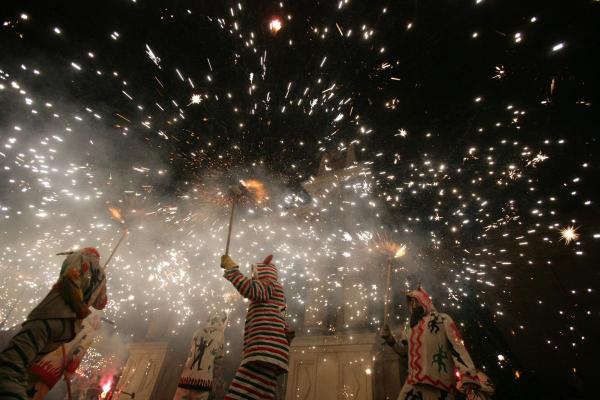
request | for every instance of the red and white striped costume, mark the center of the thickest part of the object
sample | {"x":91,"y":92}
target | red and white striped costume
{"x":266,"y":347}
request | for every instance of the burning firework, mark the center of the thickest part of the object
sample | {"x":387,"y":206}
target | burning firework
{"x":116,"y":214}
{"x":275,"y":25}
{"x":256,"y":190}
{"x":106,"y":386}
{"x":569,"y":234}
{"x":389,"y":247}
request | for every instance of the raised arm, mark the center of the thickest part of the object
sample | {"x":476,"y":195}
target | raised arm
{"x":252,"y":289}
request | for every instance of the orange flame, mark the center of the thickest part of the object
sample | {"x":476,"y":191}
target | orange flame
{"x":384,"y":244}
{"x":116,"y":214}
{"x":256,"y":189}
{"x":105,"y":389}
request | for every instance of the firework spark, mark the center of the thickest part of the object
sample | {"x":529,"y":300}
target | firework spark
{"x":569,"y":234}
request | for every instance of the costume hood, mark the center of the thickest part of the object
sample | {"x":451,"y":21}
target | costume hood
{"x":422,"y":298}
{"x":265,"y":270}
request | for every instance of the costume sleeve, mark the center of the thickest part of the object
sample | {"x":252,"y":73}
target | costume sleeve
{"x":70,"y":289}
{"x":462,"y":359}
{"x":252,"y":289}
{"x":102,"y":298}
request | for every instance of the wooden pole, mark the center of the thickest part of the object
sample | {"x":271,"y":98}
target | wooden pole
{"x":388,"y":295}
{"x":125,"y":231}
{"x":230,"y":226}
{"x":96,"y":292}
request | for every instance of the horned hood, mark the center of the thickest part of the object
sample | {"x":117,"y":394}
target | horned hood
{"x":422,"y":298}
{"x":265,"y":270}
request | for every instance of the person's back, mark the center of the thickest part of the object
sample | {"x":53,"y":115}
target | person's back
{"x":266,"y":340}
{"x":55,"y":320}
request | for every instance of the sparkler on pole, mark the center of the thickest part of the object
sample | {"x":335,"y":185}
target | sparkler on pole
{"x":125,"y":232}
{"x":388,"y":293}
{"x":117,"y":216}
{"x":235,"y":192}
{"x":252,"y":190}
{"x":394,"y":251}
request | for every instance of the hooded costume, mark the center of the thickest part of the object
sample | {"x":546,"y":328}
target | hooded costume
{"x":65,"y":360}
{"x":438,"y":362}
{"x":196,"y":381}
{"x":266,"y":345}
{"x":55,"y":321}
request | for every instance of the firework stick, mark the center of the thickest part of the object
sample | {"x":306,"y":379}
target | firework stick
{"x":386,"y":316}
{"x":230,"y":226}
{"x":125,"y":231}
{"x":96,"y":292}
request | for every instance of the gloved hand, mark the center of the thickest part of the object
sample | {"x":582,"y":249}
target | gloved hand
{"x":227,"y":262}
{"x":386,"y":335}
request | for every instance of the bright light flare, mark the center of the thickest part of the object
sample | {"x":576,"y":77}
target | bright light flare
{"x":275,"y":25}
{"x":105,"y":389}
{"x":400,"y":252}
{"x":116,"y":214}
{"x":195,"y":99}
{"x":569,"y":234}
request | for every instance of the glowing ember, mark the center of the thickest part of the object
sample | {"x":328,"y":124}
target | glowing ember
{"x":401,"y":251}
{"x":256,"y":189}
{"x":105,"y":390}
{"x":196,"y":99}
{"x":569,"y":234}
{"x":116,"y":214}
{"x":275,"y":25}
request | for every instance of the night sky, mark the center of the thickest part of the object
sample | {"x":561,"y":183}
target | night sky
{"x":477,"y":118}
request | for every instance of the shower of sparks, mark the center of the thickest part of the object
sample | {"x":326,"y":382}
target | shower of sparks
{"x":357,"y":149}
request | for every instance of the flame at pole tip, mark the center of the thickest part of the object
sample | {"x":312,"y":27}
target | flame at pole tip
{"x":116,"y":214}
{"x":389,"y":247}
{"x":401,"y":251}
{"x":256,"y":189}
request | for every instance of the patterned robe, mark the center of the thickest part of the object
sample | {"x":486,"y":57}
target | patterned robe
{"x":196,"y":381}
{"x":438,"y":361}
{"x":266,"y":347}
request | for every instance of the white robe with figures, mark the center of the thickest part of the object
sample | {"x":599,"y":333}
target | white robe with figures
{"x":196,"y":381}
{"x":438,"y":361}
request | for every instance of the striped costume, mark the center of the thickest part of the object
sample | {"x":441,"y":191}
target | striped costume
{"x":266,"y":345}
{"x":53,"y":322}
